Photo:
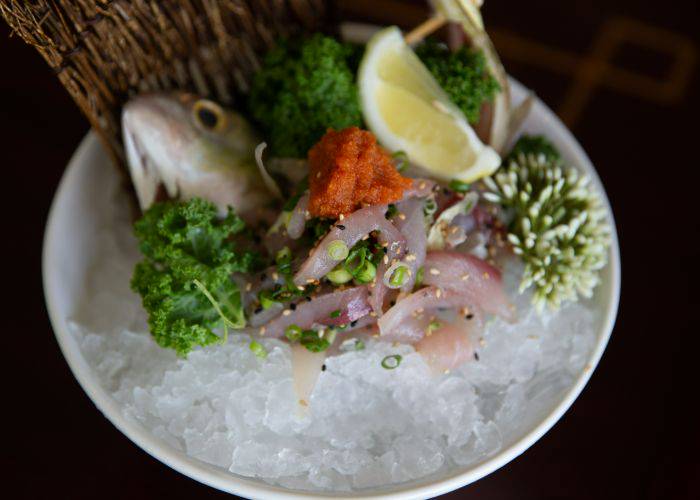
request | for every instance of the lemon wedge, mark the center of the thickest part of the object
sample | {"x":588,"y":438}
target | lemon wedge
{"x":408,"y":111}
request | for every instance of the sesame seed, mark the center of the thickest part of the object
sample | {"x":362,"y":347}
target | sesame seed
{"x":465,"y":277}
{"x":275,"y":276}
{"x":300,"y":288}
{"x":438,"y":293}
{"x":486,"y":276}
{"x":341,"y":217}
{"x":262,"y":330}
{"x":286,"y":312}
{"x":385,"y":259}
{"x":303,"y":402}
{"x":310,"y":281}
{"x":248,"y":287}
{"x":421,"y":185}
{"x":434,"y":271}
{"x":402,"y":217}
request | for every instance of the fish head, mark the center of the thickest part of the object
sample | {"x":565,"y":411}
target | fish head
{"x":179,"y":146}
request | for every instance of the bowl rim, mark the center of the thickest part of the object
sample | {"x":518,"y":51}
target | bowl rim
{"x":250,"y":488}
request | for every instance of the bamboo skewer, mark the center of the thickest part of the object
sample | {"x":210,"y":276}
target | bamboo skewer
{"x":425,"y":28}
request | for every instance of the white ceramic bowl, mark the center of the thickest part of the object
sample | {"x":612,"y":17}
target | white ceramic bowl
{"x":68,"y":250}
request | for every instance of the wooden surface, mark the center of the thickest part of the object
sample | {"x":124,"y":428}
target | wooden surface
{"x":623,"y":74}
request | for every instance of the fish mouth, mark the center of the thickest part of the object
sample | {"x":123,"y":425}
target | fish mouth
{"x":147,"y":182}
{"x":155,"y":130}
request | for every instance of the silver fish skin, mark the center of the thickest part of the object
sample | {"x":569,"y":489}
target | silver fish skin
{"x":181,"y":146}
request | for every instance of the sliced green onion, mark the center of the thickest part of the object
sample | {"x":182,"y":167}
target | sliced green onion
{"x":339,"y":275}
{"x":338,"y":250}
{"x":293,"y":332}
{"x":434,"y":325}
{"x":401,"y":160}
{"x":430,"y":207}
{"x":356,"y":259}
{"x":266,"y":300}
{"x":257,"y":349}
{"x":391,"y":211}
{"x":283,"y":255}
{"x":391,"y":362}
{"x":313,"y":341}
{"x":419,"y":276}
{"x":335,"y":313}
{"x":366,"y":273}
{"x":330,"y":336}
{"x":352,"y":345}
{"x":459,"y":186}
{"x":396,"y":275}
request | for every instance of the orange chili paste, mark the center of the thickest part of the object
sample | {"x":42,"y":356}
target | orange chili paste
{"x":348,"y":170}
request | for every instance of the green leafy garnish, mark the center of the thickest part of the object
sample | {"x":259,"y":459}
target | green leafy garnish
{"x":304,"y":87}
{"x":462,"y":75}
{"x":185,"y":278}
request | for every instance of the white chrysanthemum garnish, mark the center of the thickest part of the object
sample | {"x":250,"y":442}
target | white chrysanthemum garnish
{"x":559,"y":226}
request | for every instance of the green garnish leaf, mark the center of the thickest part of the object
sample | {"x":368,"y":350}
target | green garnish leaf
{"x":335,"y":314}
{"x":463,"y":75}
{"x":304,"y":87}
{"x":185,"y":277}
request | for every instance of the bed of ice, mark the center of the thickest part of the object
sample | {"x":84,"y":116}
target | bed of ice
{"x":366,"y":426}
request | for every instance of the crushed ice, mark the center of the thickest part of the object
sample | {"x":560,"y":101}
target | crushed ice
{"x":366,"y":426}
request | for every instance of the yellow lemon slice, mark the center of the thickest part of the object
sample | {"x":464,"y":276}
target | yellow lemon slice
{"x":408,"y":111}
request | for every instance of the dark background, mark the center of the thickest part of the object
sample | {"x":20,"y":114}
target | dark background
{"x":633,"y":433}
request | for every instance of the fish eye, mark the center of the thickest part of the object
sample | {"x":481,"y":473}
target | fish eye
{"x":208,"y":115}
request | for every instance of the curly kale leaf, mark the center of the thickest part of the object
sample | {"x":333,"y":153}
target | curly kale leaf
{"x":462,"y":74}
{"x":303,"y":88}
{"x":187,"y":248}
